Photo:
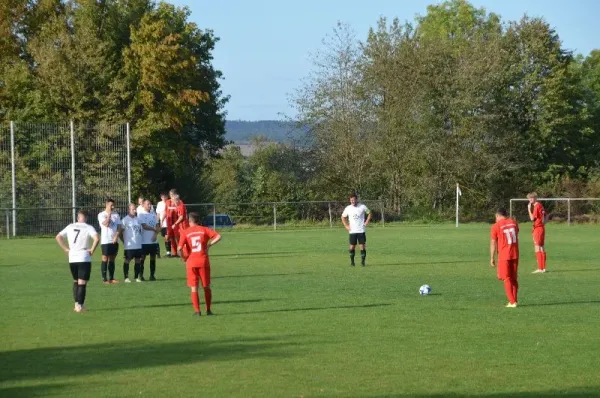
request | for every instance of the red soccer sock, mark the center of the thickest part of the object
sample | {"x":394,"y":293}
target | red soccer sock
{"x":543,"y":260}
{"x":208,"y":298}
{"x":540,"y":259}
{"x":196,"y":301}
{"x":508,"y":288}
{"x":515,"y":289}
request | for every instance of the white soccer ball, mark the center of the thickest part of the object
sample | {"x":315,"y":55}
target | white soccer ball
{"x":424,"y":290}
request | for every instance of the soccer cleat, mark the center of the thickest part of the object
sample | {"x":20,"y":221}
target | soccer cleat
{"x":209,"y":313}
{"x":539,"y":271}
{"x":197,"y":314}
{"x":127,"y":280}
{"x":152,"y":278}
{"x":142,"y":278}
{"x":513,"y":305}
{"x":352,"y":264}
{"x":138,"y":280}
{"x":114,"y":281}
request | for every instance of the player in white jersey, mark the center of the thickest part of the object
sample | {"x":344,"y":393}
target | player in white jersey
{"x":150,"y":229}
{"x":353,"y":219}
{"x":80,"y":254}
{"x":132,"y":240}
{"x":161,"y":212}
{"x":141,"y":209}
{"x":110,"y":228}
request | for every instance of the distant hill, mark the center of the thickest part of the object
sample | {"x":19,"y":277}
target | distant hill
{"x":241,"y":131}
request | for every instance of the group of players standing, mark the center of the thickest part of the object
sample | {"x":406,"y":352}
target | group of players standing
{"x":139,"y":233}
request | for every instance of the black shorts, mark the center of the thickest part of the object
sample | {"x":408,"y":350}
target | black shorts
{"x":361,"y":239}
{"x":163,"y":231}
{"x":110,"y":249}
{"x":133,"y":253}
{"x":81,"y":270}
{"x":150,"y":249}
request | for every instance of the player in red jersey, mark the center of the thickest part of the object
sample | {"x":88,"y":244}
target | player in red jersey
{"x":197,"y":240}
{"x":538,"y":215}
{"x":171,"y":217}
{"x":504,"y":241}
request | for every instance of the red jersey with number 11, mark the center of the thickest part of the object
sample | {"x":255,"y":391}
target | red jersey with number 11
{"x":506,"y":232}
{"x":196,"y":240}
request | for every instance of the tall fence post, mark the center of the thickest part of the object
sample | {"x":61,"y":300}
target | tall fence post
{"x":382,"y":213}
{"x":73,"y":198}
{"x":510,"y":208}
{"x":7,"y":224}
{"x":128,"y":165}
{"x":214,"y":216}
{"x":568,"y":211}
{"x":14,"y":178}
{"x":274,"y":216}
{"x":330,"y":216}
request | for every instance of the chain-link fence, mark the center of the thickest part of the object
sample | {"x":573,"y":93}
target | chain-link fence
{"x":49,"y":170}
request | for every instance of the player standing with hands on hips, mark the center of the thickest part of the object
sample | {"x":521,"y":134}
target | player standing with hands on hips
{"x":537,"y":214}
{"x":80,"y":255}
{"x":353,"y":219}
{"x":196,"y":240}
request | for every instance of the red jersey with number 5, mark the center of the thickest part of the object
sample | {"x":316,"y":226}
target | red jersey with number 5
{"x":506,"y":232}
{"x":195,"y":239}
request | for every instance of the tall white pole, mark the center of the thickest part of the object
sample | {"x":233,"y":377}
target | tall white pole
{"x":457,"y":195}
{"x":14,"y":178}
{"x":73,"y":199}
{"x":128,"y":166}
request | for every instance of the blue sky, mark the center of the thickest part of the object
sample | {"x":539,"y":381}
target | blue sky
{"x":266,"y":44}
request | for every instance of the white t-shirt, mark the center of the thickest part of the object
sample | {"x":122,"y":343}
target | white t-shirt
{"x":107,"y":234}
{"x":161,"y":210}
{"x":132,"y":233}
{"x":356,"y":217}
{"x":79,"y":235}
{"x":150,"y":220}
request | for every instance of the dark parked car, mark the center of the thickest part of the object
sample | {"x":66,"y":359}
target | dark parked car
{"x":222,"y":221}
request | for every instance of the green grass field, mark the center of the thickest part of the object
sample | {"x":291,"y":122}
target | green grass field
{"x":294,"y":320}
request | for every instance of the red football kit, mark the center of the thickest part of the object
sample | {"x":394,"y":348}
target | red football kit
{"x":194,"y":240}
{"x":505,"y":232}
{"x":539,"y":233}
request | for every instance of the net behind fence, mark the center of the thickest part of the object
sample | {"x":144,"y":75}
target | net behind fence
{"x":59,"y":168}
{"x":569,"y":210}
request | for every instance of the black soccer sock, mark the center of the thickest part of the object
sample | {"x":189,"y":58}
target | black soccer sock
{"x":157,"y":249}
{"x":111,"y":270}
{"x":167,"y":246}
{"x":103,"y":269}
{"x":81,"y":294}
{"x":152,"y":266}
{"x":74,"y":291}
{"x":352,"y":254}
{"x":136,"y":268}
{"x":142,"y":269}
{"x":363,"y":256}
{"x":126,"y":270}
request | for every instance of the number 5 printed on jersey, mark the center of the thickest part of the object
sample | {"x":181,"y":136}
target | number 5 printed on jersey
{"x":511,"y":235}
{"x":196,"y":244}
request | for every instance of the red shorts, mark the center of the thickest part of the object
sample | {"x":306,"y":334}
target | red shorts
{"x":198,"y":274}
{"x":507,"y":269}
{"x":539,"y":236}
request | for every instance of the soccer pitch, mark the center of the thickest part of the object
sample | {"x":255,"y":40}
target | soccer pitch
{"x":294,"y":319}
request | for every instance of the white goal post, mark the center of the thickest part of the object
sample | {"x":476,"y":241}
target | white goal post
{"x":568,"y":200}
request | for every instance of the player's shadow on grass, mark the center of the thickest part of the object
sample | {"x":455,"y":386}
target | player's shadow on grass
{"x":574,"y":270}
{"x":422,"y":263}
{"x":49,"y":363}
{"x":258,"y":254}
{"x":590,"y":392}
{"x":256,"y":275}
{"x":333,"y":307}
{"x":186,"y":304}
{"x":561,"y":303}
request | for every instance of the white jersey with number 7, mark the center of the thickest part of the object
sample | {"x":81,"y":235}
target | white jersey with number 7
{"x":79,"y":235}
